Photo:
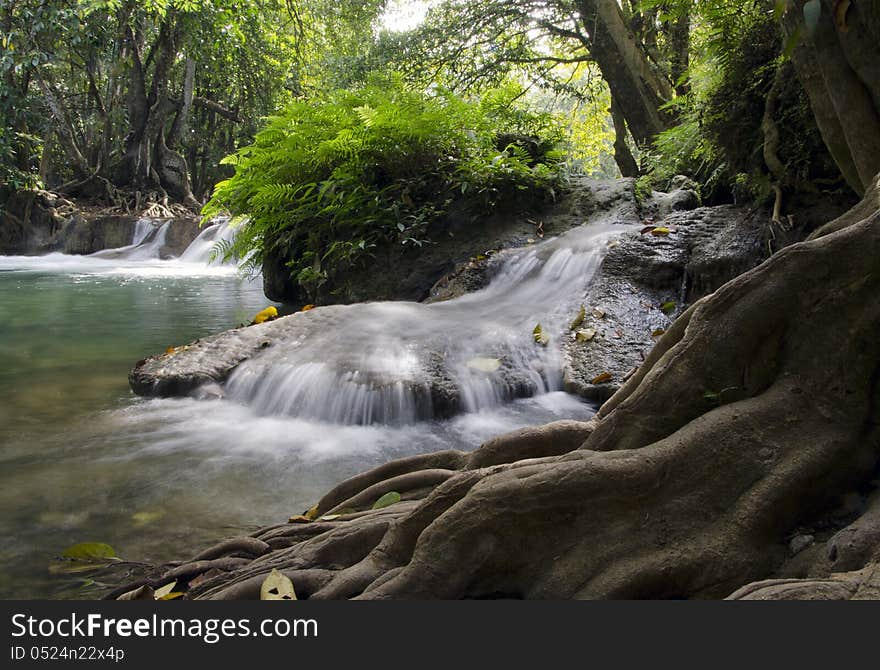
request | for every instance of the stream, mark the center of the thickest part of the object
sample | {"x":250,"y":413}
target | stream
{"x":84,"y":459}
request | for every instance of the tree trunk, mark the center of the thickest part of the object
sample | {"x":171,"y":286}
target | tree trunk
{"x":622,"y":155}
{"x":634,"y":83}
{"x":756,"y":413}
{"x":837,"y":65}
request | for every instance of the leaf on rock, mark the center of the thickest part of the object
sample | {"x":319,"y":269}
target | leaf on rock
{"x":144,"y":592}
{"x":388,"y":499}
{"x":307,"y":308}
{"x":329,"y":517}
{"x":174,"y":595}
{"x":267,"y":314}
{"x":484,"y":364}
{"x":601,"y":378}
{"x":579,"y":319}
{"x":540,"y":336}
{"x":660,"y":231}
{"x":90,"y":552}
{"x":598,"y":313}
{"x":277,"y":586}
{"x":163,"y":591}
{"x":658,"y":332}
{"x":668,"y":306}
{"x":585,"y":335}
{"x":312,"y":513}
{"x":299,"y":518}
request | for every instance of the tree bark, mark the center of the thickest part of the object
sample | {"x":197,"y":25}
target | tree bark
{"x":634,"y":83}
{"x":622,"y":155}
{"x":837,"y":65}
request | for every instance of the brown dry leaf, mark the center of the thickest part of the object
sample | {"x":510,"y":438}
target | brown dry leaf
{"x":170,"y":350}
{"x":312,"y":513}
{"x":307,"y":308}
{"x":601,"y":378}
{"x":299,"y":518}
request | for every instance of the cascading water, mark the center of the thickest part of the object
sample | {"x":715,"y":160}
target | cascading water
{"x":398,"y":363}
{"x":207,"y":248}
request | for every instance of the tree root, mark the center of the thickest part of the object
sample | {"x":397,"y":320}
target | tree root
{"x":757,"y":410}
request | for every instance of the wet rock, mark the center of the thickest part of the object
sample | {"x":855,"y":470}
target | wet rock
{"x":458,"y":249}
{"x":800,"y":542}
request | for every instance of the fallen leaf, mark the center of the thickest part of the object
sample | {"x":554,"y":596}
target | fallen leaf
{"x":90,"y":552}
{"x":277,"y":586}
{"x":540,"y":336}
{"x":658,"y":332}
{"x":388,"y":499}
{"x":480,"y":257}
{"x":174,"y":595}
{"x":299,"y":518}
{"x":267,"y":314}
{"x":598,"y":313}
{"x":585,"y":335}
{"x":484,"y":364}
{"x":646,"y":229}
{"x":579,"y":319}
{"x":668,"y":306}
{"x":307,"y":308}
{"x":841,"y":7}
{"x":660,"y":231}
{"x":170,"y":350}
{"x":164,"y":590}
{"x":144,"y":592}
{"x":312,"y":513}
{"x":601,"y":378}
{"x":329,"y":517}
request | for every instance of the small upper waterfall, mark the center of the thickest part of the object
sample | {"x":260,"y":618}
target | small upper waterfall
{"x":401,"y":362}
{"x":147,"y":241}
{"x":207,"y":248}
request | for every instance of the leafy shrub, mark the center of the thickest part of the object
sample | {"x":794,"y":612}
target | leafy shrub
{"x":331,"y":178}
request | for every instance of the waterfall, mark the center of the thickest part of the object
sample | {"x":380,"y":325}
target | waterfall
{"x":147,"y":241}
{"x":399,"y":362}
{"x":206,"y":248}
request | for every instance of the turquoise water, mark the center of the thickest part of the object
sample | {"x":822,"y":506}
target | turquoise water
{"x":83,"y":459}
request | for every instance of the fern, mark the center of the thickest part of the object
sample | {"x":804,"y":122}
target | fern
{"x":326,"y":182}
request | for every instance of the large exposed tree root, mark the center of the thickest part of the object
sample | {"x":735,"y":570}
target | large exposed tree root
{"x":754,"y":414}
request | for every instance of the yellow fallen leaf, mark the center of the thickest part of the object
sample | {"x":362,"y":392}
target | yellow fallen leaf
{"x":299,"y":518}
{"x":668,"y":306}
{"x":585,"y":335}
{"x":307,"y":308}
{"x":170,"y":350}
{"x":174,"y":595}
{"x":312,"y":513}
{"x":267,"y":314}
{"x":162,"y":591}
{"x":660,"y":231}
{"x":579,"y":319}
{"x":601,"y":378}
{"x":540,"y":336}
{"x":658,"y":332}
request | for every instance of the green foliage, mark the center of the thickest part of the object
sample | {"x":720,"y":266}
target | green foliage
{"x":338,"y":174}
